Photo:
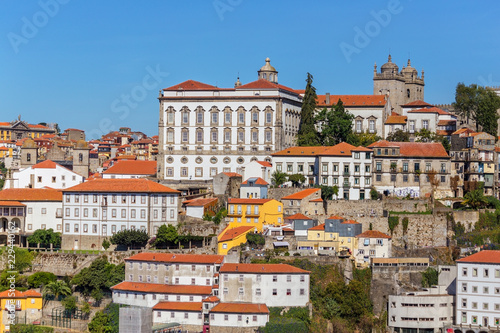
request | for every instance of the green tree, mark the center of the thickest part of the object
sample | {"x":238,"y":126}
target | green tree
{"x":106,"y":321}
{"x":100,"y":275}
{"x":297,"y":179}
{"x":429,"y":277}
{"x":479,"y":104}
{"x":45,"y":237}
{"x":327,"y":192}
{"x":23,"y":259}
{"x":363,"y":139}
{"x":57,"y":288}
{"x":278,"y":178}
{"x":166,"y":234}
{"x":307,"y":134}
{"x":130,"y":238}
{"x":7,"y":278}
{"x":69,"y":303}
{"x":399,"y":136}
{"x":335,"y":124}
{"x":217,"y":218}
{"x":475,"y":199}
{"x":41,"y":278}
{"x":374,"y":195}
{"x":106,"y":244}
{"x":255,"y":239}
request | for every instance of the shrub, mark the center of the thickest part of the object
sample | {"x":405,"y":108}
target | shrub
{"x":255,"y":239}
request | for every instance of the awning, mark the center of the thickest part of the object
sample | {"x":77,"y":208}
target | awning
{"x":281,"y":244}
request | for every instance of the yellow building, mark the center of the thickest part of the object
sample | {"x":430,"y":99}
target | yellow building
{"x":231,"y":237}
{"x":254,"y":212}
{"x":320,"y":240}
{"x":26,"y":308}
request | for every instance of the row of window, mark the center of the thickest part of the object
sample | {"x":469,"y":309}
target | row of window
{"x":485,"y":323}
{"x":123,"y":215}
{"x":39,"y":179}
{"x":416,"y":166}
{"x":486,"y":272}
{"x":214,"y":136}
{"x":241,"y":278}
{"x":416,"y":178}
{"x":324,"y":181}
{"x":214,"y":117}
{"x":474,"y":305}
{"x":148,"y":266}
{"x":371,"y":126}
{"x":123,"y":198}
{"x":44,"y":226}
{"x":486,"y":290}
{"x":76,"y":228}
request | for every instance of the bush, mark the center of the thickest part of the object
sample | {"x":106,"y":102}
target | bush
{"x":23,"y":328}
{"x":285,"y":325}
{"x":69,"y":303}
{"x":255,"y":239}
{"x":41,"y":278}
{"x":374,"y":194}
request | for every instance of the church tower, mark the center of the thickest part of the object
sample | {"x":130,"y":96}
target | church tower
{"x":29,"y":153}
{"x":81,"y":159}
{"x":268,"y":72}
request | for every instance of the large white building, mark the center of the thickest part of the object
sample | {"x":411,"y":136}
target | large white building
{"x":99,"y":208}
{"x":478,"y":290}
{"x":44,"y":174}
{"x":205,"y":130}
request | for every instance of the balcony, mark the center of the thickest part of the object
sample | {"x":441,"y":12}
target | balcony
{"x":346,"y":174}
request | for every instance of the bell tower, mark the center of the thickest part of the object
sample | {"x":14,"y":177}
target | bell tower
{"x":268,"y":72}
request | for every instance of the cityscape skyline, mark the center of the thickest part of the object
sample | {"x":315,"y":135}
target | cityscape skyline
{"x":100,"y":68}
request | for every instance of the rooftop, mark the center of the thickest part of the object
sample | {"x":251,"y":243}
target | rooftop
{"x":352,"y":100}
{"x":373,"y":234}
{"x":161,"y":288}
{"x":247,"y":201}
{"x":301,"y":195}
{"x":483,"y":257}
{"x":260,"y":268}
{"x":240,"y":308}
{"x":179,"y":306}
{"x":414,"y":149}
{"x":135,"y":185}
{"x":233,"y":233}
{"x":133,"y":167}
{"x":297,"y":216}
{"x":30,"y":194}
{"x":177,"y":258}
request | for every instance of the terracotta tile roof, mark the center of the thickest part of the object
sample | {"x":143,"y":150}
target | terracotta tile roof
{"x":126,"y":157}
{"x":240,"y":308}
{"x":264,"y":84}
{"x":301,"y":151}
{"x":444,"y":132}
{"x":373,"y":234}
{"x":335,"y":217}
{"x":177,"y":258}
{"x":341,"y":149}
{"x":265,"y":163}
{"x":361,"y":148}
{"x":200,"y":202}
{"x":134,"y":185}
{"x":415,"y":149}
{"x":301,"y":195}
{"x":483,"y":257}
{"x":48,"y":164}
{"x":12,"y":204}
{"x":73,"y":129}
{"x":396,"y":118}
{"x":232,"y":174}
{"x":417,"y":103}
{"x":211,"y":299}
{"x":179,"y":306}
{"x":30,"y":194}
{"x":298,"y":216}
{"x":194,"y":85}
{"x":134,"y":167}
{"x":260,"y":268}
{"x":318,"y":227}
{"x":447,"y":122}
{"x":20,"y":294}
{"x":233,"y":233}
{"x":161,"y":288}
{"x":497,"y":149}
{"x":350,"y":222}
{"x":258,"y":181}
{"x":430,"y":110}
{"x":4,"y":123}
{"x":316,"y":200}
{"x":37,"y":126}
{"x":352,"y":100}
{"x":463,"y":130}
{"x":247,"y":201}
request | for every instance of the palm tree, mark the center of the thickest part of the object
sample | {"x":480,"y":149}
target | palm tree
{"x":475,"y":199}
{"x":278,"y":178}
{"x":57,"y":288}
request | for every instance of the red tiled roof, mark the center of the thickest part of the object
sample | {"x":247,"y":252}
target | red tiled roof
{"x":463,"y":130}
{"x":233,"y":233}
{"x":134,"y":167}
{"x":258,"y":181}
{"x":483,"y":257}
{"x":179,"y":306}
{"x":211,"y":299}
{"x":430,"y":110}
{"x":200,"y":202}
{"x":12,"y":204}
{"x":38,"y":126}
{"x":417,"y":103}
{"x":396,"y":118}
{"x":335,"y":217}
{"x":350,"y":222}
{"x":30,"y":194}
{"x":265,"y":163}
{"x":177,"y":258}
{"x":240,"y":308}
{"x":352,"y":100}
{"x":126,"y":157}
{"x":161,"y":288}
{"x":301,"y":151}
{"x":341,"y":149}
{"x":318,"y":227}
{"x":301,"y":195}
{"x":232,"y":174}
{"x":265,"y":84}
{"x":20,"y":294}
{"x":444,"y":132}
{"x":48,"y":164}
{"x":140,"y":185}
{"x":193,"y":85}
{"x":447,"y":122}
{"x":316,"y":200}
{"x":260,"y":268}
{"x":373,"y":234}
{"x":247,"y":201}
{"x":298,"y":216}
{"x":415,"y":149}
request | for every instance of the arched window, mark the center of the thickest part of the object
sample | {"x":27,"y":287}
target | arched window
{"x":80,"y":157}
{"x":28,"y":157}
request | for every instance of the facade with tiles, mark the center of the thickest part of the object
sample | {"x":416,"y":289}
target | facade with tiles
{"x":97,"y":209}
{"x":205,"y":130}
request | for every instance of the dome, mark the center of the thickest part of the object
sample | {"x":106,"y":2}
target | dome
{"x":29,"y":143}
{"x":267,"y":67}
{"x":81,"y":144}
{"x":389,"y":66}
{"x":408,"y":69}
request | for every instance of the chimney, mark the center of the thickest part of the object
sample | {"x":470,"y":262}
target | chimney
{"x":327,"y":98}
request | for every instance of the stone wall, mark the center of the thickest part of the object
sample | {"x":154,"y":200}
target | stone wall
{"x":62,"y":264}
{"x":467,"y":217}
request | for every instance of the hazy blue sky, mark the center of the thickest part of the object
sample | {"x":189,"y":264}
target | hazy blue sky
{"x":76,"y":62}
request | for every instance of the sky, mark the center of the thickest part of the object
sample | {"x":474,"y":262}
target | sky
{"x":99,"y":65}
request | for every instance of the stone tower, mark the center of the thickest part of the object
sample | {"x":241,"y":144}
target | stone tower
{"x":268,"y":72}
{"x":81,"y":159}
{"x":29,"y":153}
{"x":401,"y":87}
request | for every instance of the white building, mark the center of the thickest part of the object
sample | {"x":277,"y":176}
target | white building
{"x":372,"y":244}
{"x":205,"y":130}
{"x":44,"y":174}
{"x":343,"y":165}
{"x":258,"y":169}
{"x":130,"y":169}
{"x":98,"y":208}
{"x":478,"y":290}
{"x":421,"y":311}
{"x":271,"y":284}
